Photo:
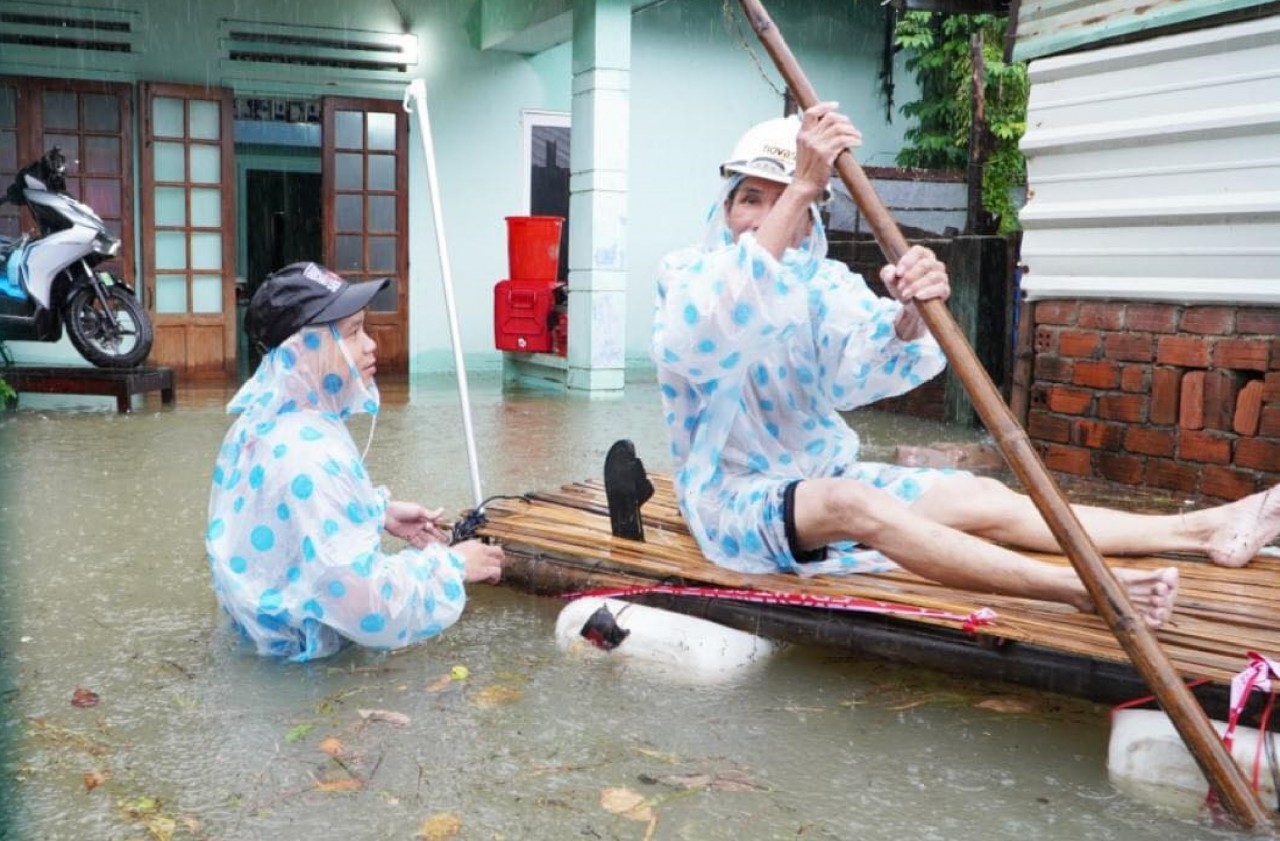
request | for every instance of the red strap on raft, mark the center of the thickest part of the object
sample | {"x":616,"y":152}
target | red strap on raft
{"x":970,"y":623}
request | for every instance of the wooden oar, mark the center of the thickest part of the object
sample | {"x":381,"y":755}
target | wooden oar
{"x":1108,"y":595}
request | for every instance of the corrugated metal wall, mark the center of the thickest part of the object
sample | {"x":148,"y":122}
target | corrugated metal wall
{"x":1154,"y":169}
{"x":1048,"y":27}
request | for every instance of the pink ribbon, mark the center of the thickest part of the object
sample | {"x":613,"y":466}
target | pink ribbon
{"x":969,"y":623}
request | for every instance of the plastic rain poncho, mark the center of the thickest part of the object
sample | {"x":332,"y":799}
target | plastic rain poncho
{"x":755,"y":358}
{"x":295,"y":524}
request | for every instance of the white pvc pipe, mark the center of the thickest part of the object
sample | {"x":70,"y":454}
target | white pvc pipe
{"x":415,"y":101}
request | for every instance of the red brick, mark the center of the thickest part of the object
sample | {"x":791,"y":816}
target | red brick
{"x":1079,"y":343}
{"x":1264,"y":320}
{"x":1269,"y":422}
{"x":1271,"y":388}
{"x":1039,"y":396}
{"x":1102,"y":315}
{"x":1187,"y":351}
{"x":1131,"y":408}
{"x":1046,"y":340}
{"x":1056,"y":312}
{"x":1258,"y":453}
{"x":1046,"y":427}
{"x":1213,"y":447}
{"x":1155,"y":318}
{"x":1220,"y":390}
{"x":1248,"y":409}
{"x":1241,"y":354}
{"x":1150,"y":441}
{"x":1097,"y":435}
{"x":1053,"y":368}
{"x":1129,"y":347}
{"x":1191,"y":404}
{"x":1135,"y":378}
{"x":1067,"y":459}
{"x":1217,"y":321}
{"x":1275,"y":355}
{"x":1096,"y":373}
{"x":1069,"y":401}
{"x":1166,"y":385}
{"x":1227,"y":483}
{"x":1120,"y":468}
{"x":1171,"y":475}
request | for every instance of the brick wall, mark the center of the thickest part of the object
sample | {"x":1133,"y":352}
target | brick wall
{"x":1185,"y":398}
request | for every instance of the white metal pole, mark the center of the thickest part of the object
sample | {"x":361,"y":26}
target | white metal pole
{"x":415,"y":101}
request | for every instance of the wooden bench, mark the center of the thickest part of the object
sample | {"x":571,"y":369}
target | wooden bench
{"x":122,"y":383}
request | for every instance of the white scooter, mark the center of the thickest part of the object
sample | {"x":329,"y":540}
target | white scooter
{"x":51,"y":281}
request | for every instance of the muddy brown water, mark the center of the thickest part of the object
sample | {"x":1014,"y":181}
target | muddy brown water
{"x":104,"y":588}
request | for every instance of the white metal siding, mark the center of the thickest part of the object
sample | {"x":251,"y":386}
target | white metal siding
{"x":1154,"y":170}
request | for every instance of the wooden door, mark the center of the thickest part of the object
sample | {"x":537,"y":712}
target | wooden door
{"x":364,"y":188}
{"x":90,"y":122}
{"x":188,"y":226}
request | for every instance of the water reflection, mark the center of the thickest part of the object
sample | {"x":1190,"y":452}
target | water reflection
{"x":105,"y":588}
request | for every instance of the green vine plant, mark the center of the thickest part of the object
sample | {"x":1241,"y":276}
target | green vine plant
{"x":939,"y":56}
{"x":7,"y":394}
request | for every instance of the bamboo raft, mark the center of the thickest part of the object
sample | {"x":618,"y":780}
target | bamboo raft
{"x":560,"y":541}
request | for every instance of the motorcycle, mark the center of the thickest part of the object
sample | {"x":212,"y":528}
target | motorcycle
{"x":51,"y":281}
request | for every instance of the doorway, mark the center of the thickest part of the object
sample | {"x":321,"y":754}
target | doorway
{"x":283,"y":224}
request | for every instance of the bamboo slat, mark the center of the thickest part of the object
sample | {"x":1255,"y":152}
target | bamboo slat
{"x":562,"y":540}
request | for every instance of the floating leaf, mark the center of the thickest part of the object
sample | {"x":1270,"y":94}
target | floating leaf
{"x":1007,"y":705}
{"x":459,"y":672}
{"x":625,"y":802}
{"x":161,"y":827}
{"x":84,"y":698}
{"x":497,"y":694}
{"x":732,"y":780}
{"x":93,"y":779}
{"x":137,"y":807}
{"x":331,"y":745}
{"x":298,"y":733}
{"x":440,"y":827}
{"x":342,"y":784}
{"x":386,"y":716}
{"x":440,"y":684}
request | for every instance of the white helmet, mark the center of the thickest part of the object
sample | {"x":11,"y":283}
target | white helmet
{"x":767,"y":150}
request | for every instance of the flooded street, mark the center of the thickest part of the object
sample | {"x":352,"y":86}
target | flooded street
{"x":104,"y":587}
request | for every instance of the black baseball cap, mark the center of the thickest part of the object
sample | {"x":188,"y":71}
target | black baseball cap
{"x":302,"y":294}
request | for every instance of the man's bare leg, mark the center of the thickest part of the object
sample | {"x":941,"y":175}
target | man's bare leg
{"x":831,"y":510}
{"x":1229,"y":534}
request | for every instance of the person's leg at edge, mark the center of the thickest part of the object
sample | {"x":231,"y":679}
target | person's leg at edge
{"x":831,"y":510}
{"x":1229,"y":534}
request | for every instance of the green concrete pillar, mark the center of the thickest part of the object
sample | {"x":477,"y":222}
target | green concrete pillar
{"x":599,"y":153}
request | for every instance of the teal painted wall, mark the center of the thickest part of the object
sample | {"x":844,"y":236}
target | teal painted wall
{"x":694,"y":90}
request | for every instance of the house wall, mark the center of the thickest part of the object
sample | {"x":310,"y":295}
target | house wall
{"x":1150,"y":246}
{"x":694,"y":89}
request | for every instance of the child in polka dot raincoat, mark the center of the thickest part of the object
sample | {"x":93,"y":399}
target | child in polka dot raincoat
{"x":295,"y":523}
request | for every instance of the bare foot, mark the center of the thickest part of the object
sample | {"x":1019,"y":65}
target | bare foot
{"x":1152,"y":593}
{"x":1248,"y":525}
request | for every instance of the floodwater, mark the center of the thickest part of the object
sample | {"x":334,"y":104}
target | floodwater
{"x":104,"y":588}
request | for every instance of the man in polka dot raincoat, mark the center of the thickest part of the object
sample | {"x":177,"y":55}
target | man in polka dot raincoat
{"x":295,"y":523}
{"x":761,"y":342}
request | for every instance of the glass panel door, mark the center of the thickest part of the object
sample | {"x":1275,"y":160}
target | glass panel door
{"x":189,"y":225}
{"x":365,"y":188}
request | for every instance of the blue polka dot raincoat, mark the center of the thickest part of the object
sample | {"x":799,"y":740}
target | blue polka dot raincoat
{"x":295,"y":524}
{"x":756,"y":356}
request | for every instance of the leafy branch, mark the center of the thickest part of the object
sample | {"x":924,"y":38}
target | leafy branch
{"x":939,"y":56}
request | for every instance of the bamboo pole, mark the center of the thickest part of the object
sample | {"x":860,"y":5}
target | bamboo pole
{"x":1108,"y":595}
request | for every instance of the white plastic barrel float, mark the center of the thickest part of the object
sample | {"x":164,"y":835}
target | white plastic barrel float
{"x":1147,"y":760}
{"x":684,"y":648}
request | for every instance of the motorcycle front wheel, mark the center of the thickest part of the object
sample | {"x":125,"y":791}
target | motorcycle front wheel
{"x":116,"y":336}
